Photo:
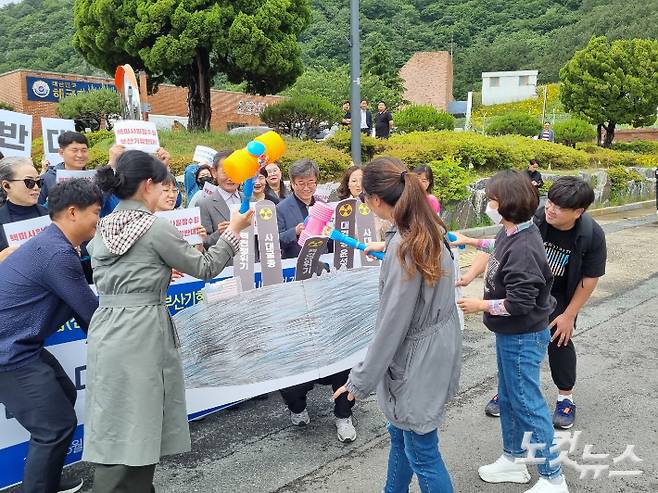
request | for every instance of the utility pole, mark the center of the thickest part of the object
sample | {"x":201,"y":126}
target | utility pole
{"x":355,"y":74}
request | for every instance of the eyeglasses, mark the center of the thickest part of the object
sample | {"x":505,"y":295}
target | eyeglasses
{"x":30,"y":182}
{"x":556,"y":208}
{"x":309,"y":185}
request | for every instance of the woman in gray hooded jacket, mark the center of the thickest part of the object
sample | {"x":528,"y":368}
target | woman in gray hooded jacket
{"x":414,"y":359}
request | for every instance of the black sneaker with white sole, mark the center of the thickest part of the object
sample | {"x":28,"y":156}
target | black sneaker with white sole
{"x":70,"y":485}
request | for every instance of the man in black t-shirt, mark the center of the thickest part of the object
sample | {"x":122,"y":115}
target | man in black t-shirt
{"x":383,"y":121}
{"x":576,"y":251}
{"x":347,"y":117}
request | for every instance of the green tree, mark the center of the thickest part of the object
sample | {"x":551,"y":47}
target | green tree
{"x":570,"y":132}
{"x":514,"y":122}
{"x":334,"y":85}
{"x":189,"y":42}
{"x":380,"y":63}
{"x":5,"y":106}
{"x":612,"y":83}
{"x":91,"y":109}
{"x":302,"y":116}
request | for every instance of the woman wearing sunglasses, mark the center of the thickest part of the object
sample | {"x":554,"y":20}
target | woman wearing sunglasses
{"x":19,"y":191}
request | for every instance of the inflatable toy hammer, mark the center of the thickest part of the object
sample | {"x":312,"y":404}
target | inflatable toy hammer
{"x":353,"y":243}
{"x":318,"y":217}
{"x":242,"y":165}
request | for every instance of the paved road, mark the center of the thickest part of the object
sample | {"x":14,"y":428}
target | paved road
{"x":255,"y":449}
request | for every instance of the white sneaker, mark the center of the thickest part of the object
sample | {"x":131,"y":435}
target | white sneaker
{"x":345,"y":429}
{"x":300,"y":419}
{"x":504,"y":470}
{"x":546,"y":486}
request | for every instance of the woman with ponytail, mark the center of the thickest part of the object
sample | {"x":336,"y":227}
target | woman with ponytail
{"x":414,"y":359}
{"x":135,"y":391}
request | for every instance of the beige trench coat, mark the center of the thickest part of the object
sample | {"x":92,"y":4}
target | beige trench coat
{"x":135,"y":402}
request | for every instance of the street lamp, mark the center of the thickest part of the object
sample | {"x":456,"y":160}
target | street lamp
{"x":355,"y":75}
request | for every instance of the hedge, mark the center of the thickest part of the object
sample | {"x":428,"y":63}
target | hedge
{"x":638,"y":146}
{"x":473,"y":152}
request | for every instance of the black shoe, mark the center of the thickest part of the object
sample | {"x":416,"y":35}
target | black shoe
{"x":70,"y":485}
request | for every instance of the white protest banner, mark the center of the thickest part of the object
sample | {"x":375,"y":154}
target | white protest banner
{"x":203,"y":154}
{"x":15,"y":134}
{"x":51,"y":128}
{"x":186,"y":221}
{"x":19,"y":232}
{"x":209,"y":189}
{"x":136,"y":134}
{"x":70,"y":174}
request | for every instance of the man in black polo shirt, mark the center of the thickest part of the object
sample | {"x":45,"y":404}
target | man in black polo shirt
{"x":576,"y":250}
{"x":383,"y":121}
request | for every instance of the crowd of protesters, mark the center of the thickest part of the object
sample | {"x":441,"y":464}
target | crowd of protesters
{"x":541,"y":269}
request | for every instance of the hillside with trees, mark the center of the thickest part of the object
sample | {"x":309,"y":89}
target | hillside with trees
{"x":483,"y":34}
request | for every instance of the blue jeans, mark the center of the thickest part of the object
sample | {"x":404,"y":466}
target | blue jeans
{"x":413,"y":453}
{"x":522,"y":405}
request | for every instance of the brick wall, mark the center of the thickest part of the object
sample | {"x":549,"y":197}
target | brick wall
{"x":228,"y":108}
{"x":631,"y":134}
{"x":427,"y":78}
{"x":11,"y":88}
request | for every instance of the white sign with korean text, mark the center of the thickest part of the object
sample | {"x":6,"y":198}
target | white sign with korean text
{"x":203,"y":154}
{"x":137,"y":134}
{"x":70,"y":174}
{"x":186,"y":221}
{"x":209,"y":189}
{"x":51,"y":129}
{"x":15,"y":134}
{"x":19,"y":232}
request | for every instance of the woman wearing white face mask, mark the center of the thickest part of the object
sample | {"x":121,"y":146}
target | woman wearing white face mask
{"x":517,"y":304}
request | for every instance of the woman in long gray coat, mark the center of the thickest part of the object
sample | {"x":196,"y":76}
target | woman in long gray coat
{"x":135,"y":405}
{"x":414,"y":359}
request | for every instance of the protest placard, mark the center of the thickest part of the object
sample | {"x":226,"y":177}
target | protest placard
{"x":186,"y":221}
{"x":70,"y":174}
{"x":15,"y":134}
{"x":203,"y":154}
{"x":137,"y":134}
{"x":19,"y":232}
{"x":209,"y":189}
{"x":51,"y":129}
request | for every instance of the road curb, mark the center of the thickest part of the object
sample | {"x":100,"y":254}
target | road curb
{"x":620,"y":208}
{"x":493,"y":230}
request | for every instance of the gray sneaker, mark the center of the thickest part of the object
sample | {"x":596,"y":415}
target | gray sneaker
{"x":345,"y":429}
{"x":300,"y":419}
{"x":492,"y":408}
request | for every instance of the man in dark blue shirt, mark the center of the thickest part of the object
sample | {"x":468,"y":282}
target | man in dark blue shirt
{"x":43,"y":286}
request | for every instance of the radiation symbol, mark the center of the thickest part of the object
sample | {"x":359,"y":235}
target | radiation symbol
{"x":364,"y":209}
{"x":266,"y":214}
{"x":345,"y":210}
{"x":315,"y":243}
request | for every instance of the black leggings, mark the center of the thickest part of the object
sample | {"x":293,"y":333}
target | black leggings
{"x":295,"y":397}
{"x":562,"y":361}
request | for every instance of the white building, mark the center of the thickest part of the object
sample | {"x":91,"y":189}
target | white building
{"x":507,"y":87}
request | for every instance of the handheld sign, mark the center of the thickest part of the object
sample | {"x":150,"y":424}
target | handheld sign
{"x":203,"y":154}
{"x":19,"y":232}
{"x":51,"y":129}
{"x":137,"y":134}
{"x":69,"y":174}
{"x":186,"y":221}
{"x":15,"y":134}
